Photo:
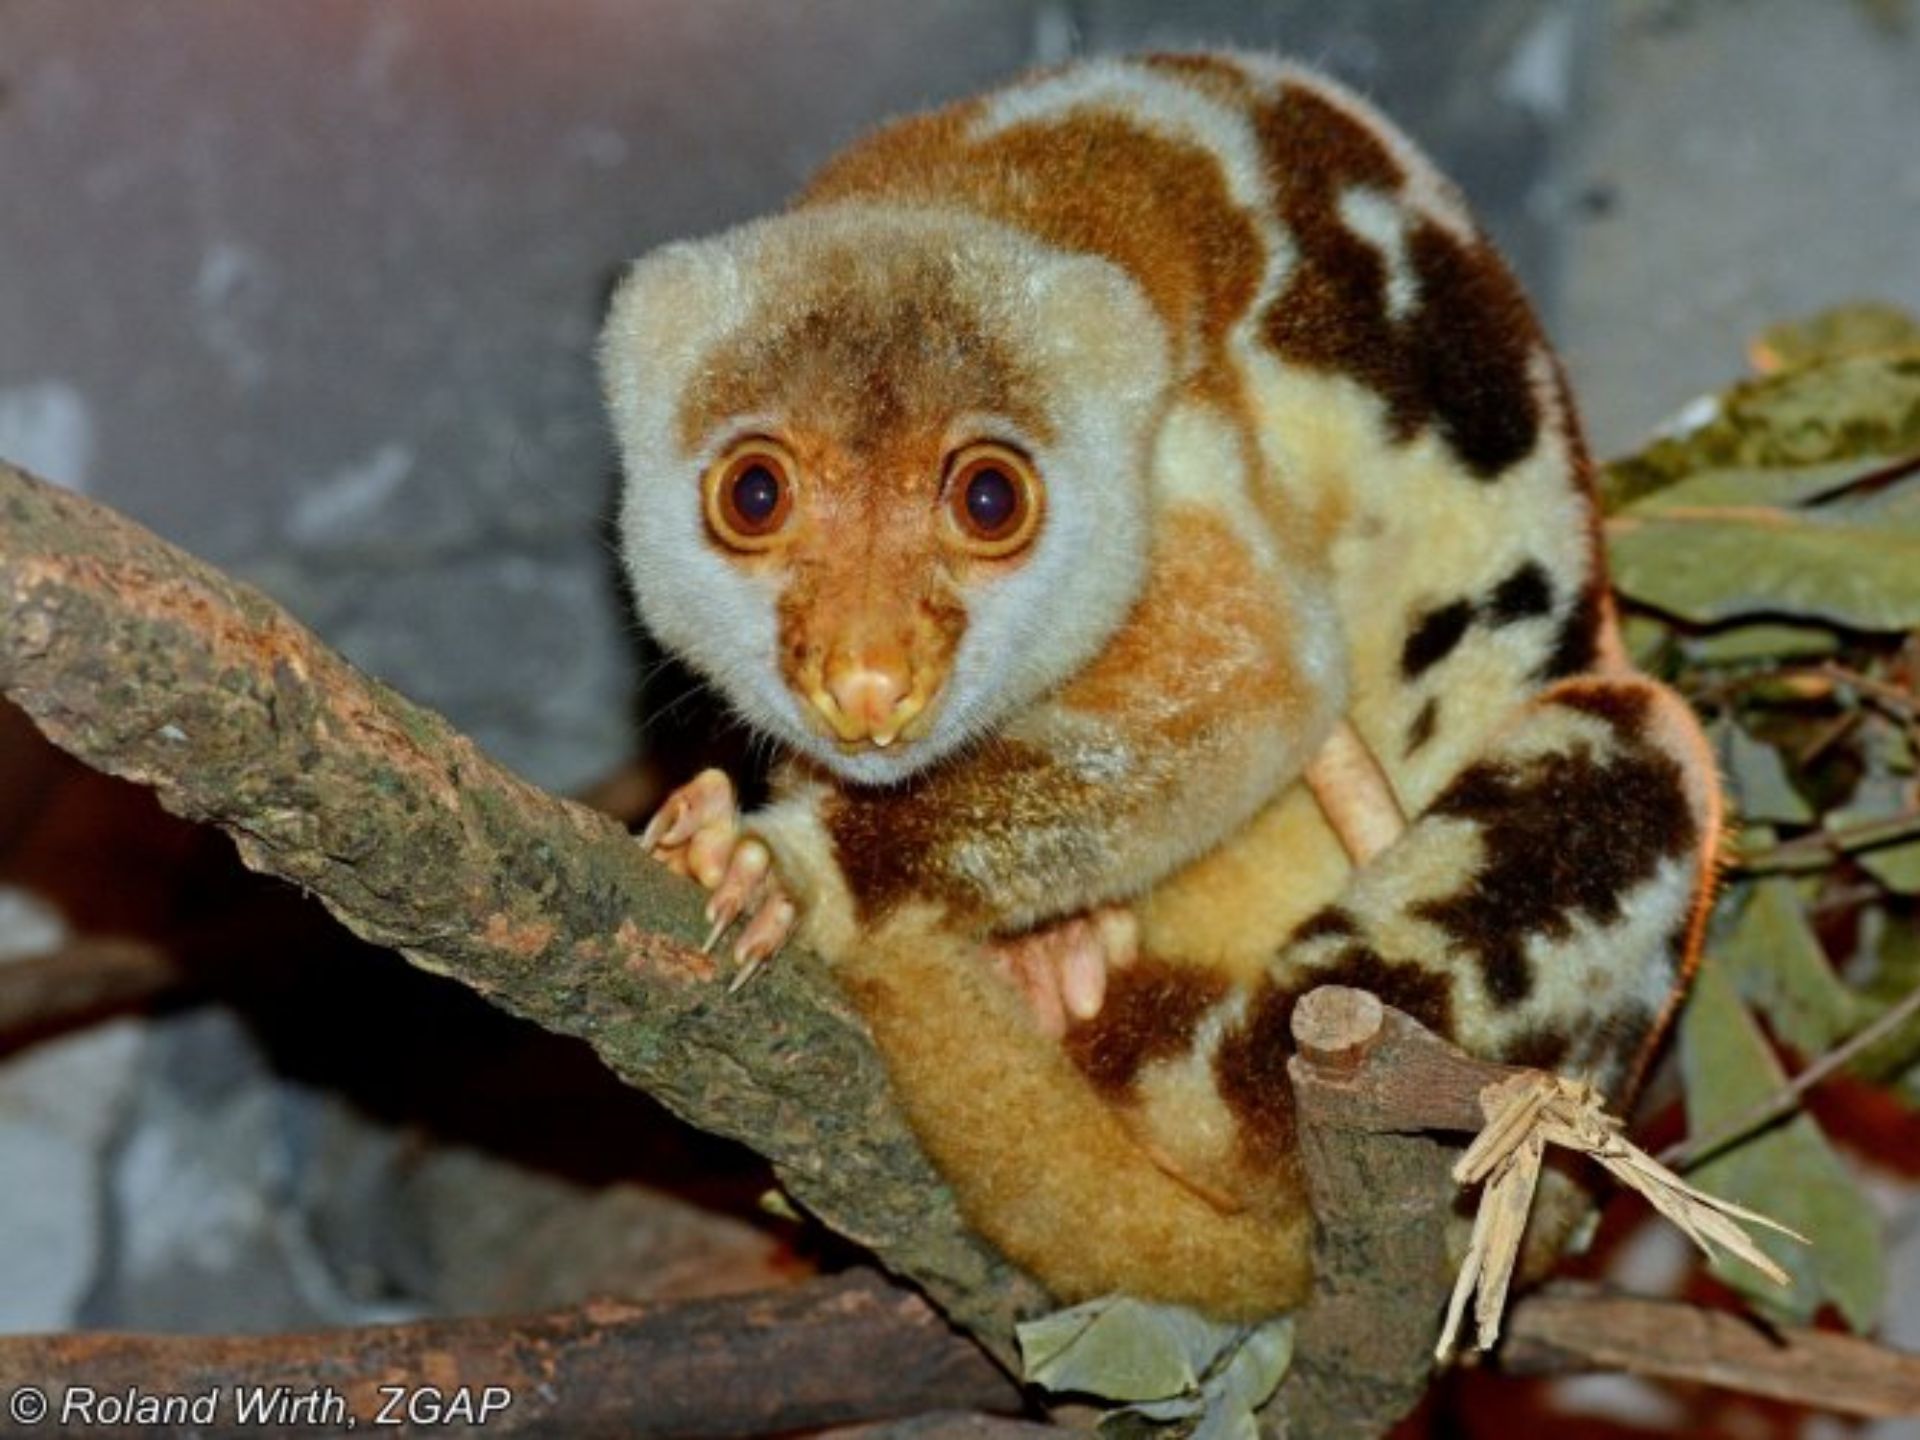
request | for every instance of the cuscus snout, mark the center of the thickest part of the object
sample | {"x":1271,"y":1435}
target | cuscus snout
{"x":871,"y":698}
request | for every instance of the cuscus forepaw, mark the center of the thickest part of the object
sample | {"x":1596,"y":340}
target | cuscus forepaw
{"x":698,"y":832}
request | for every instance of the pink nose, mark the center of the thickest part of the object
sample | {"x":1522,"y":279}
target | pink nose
{"x":869,"y":698}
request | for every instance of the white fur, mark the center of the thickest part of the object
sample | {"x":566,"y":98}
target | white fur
{"x":1199,"y":458}
{"x":1075,"y":320}
{"x":1382,"y":222}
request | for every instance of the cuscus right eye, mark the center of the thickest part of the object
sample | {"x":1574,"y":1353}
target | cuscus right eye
{"x":749,"y":494}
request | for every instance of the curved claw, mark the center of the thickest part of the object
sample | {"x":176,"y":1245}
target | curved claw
{"x":768,"y":930}
{"x":741,"y":887}
{"x":697,"y":832}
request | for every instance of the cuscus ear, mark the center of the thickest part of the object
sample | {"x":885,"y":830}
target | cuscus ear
{"x":668,"y":313}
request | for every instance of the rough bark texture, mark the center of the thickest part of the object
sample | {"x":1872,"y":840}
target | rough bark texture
{"x":1364,"y":1075}
{"x":150,"y":665}
{"x":830,"y":1352}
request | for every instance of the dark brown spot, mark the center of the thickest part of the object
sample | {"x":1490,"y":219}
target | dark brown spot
{"x":906,"y":842}
{"x":1421,"y":730}
{"x":1433,"y":637}
{"x":1524,"y":594}
{"x":1542,"y":1047}
{"x":1151,"y":1012}
{"x":1250,"y":1068}
{"x":1577,"y":644}
{"x":1426,"y":995}
{"x":1459,"y":360}
{"x":1331,"y":922}
{"x":1565,"y":837}
{"x":1623,"y":707}
{"x":1468,"y":346}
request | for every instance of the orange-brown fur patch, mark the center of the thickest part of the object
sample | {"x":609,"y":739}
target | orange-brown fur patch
{"x":1092,"y":182}
{"x":1044,"y":1167}
{"x":1208,"y":619}
{"x":1214,"y":75}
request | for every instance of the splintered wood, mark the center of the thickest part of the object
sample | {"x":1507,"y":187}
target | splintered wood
{"x":1528,"y":1112}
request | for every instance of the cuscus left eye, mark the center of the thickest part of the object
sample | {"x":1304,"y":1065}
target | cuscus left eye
{"x":994,"y":499}
{"x":749,"y":494}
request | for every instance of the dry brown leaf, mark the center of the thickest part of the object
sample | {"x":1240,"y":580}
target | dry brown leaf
{"x":1525,"y":1114}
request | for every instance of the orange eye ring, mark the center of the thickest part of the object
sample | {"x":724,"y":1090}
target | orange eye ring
{"x":994,"y":499}
{"x":748,"y":494}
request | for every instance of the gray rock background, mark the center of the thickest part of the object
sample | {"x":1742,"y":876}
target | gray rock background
{"x":312,"y":290}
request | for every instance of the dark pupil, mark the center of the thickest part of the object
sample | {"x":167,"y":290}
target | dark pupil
{"x":756,"y":495}
{"x":991,"y":500}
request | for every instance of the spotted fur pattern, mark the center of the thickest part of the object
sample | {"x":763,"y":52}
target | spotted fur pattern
{"x":1308,"y":457}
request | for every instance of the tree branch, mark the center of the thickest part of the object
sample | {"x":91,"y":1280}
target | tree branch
{"x":830,"y":1352}
{"x":1565,"y":1330}
{"x":1365,"y":1078}
{"x":150,"y":665}
{"x":83,"y":981}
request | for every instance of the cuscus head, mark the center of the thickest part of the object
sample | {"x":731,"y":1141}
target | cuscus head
{"x":885,"y":470}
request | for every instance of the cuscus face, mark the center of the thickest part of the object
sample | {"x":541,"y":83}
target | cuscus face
{"x":885,"y":471}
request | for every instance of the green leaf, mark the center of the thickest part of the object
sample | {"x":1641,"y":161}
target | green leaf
{"x":1784,"y":485}
{"x":1760,"y":782}
{"x":1787,"y":1171}
{"x":1237,"y":1391}
{"x":1849,"y":408}
{"x":1770,"y":953}
{"x":1710,"y":566}
{"x":1860,"y":328}
{"x":1230,"y":1396}
{"x":1122,"y":1349}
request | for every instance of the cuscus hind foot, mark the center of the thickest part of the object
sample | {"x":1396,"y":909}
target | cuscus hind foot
{"x":697,"y":832}
{"x":1061,"y":969}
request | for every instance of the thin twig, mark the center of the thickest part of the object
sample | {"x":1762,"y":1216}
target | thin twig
{"x":1903,"y":701}
{"x":1685,"y":1153}
{"x":1820,"y":847}
{"x":1567,"y":1330}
